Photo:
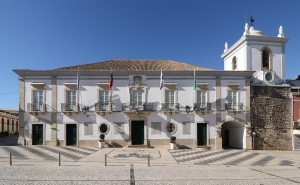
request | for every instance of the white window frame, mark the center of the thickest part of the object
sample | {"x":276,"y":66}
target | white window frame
{"x":137,"y":97}
{"x":71,"y":102}
{"x":230,"y":89}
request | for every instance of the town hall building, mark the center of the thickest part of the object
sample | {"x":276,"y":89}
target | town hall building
{"x":201,"y":107}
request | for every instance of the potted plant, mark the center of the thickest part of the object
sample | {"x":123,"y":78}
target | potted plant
{"x":101,"y":141}
{"x":172,"y":142}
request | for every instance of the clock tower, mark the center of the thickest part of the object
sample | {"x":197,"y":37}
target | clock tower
{"x":254,"y":51}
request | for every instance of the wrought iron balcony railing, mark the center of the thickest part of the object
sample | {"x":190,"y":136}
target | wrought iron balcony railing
{"x":36,"y":107}
{"x":70,"y":107}
{"x":201,"y":106}
{"x":237,"y":106}
{"x":137,"y":106}
{"x":170,"y":106}
{"x":103,"y":106}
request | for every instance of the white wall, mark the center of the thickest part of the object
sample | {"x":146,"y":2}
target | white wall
{"x":241,"y":58}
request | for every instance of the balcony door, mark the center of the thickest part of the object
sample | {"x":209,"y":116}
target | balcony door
{"x":137,"y":100}
{"x":38,"y":100}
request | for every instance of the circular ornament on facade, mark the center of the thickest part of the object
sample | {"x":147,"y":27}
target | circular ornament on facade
{"x":103,"y":128}
{"x":171,"y":128}
{"x":269,"y":76}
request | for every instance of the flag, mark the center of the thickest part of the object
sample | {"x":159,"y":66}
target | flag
{"x":161,"y":80}
{"x":111,"y":80}
{"x":78,"y":80}
{"x":195,"y":83}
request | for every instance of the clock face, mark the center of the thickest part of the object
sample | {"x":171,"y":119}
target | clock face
{"x":268,"y":76}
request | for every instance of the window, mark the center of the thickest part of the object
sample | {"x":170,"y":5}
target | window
{"x":38,"y":100}
{"x":71,"y":97}
{"x":170,"y":97}
{"x":104,"y":100}
{"x":201,"y":99}
{"x":232,"y":100}
{"x":103,"y":128}
{"x":234,"y":65}
{"x":137,"y":98}
{"x":171,"y":128}
{"x":266,"y":58}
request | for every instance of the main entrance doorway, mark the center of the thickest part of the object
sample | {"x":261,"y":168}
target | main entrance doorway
{"x":137,"y":132}
{"x":201,"y":134}
{"x":37,"y":134}
{"x":71,"y":134}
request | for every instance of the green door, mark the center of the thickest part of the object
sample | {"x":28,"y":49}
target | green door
{"x":37,"y":134}
{"x":201,"y":134}
{"x":71,"y":134}
{"x":137,"y":132}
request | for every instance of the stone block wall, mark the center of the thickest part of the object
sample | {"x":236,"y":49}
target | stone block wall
{"x":271,"y":118}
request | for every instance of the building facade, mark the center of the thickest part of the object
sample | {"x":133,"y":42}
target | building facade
{"x":270,"y":100}
{"x":9,"y":122}
{"x":200,"y":106}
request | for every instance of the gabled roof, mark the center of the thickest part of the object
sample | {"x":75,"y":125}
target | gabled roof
{"x":131,"y":65}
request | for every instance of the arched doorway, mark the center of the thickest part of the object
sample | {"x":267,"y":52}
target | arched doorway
{"x":2,"y":125}
{"x":233,"y":135}
{"x":17,"y":126}
{"x":12,"y":126}
{"x":7,"y":124}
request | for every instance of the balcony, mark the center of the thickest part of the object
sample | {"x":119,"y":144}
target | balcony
{"x":67,"y":107}
{"x":100,"y":107}
{"x":238,"y":106}
{"x":36,"y":107}
{"x":134,"y":106}
{"x":202,"y":107}
{"x":170,"y":106}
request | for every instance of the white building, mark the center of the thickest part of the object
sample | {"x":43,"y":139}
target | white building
{"x":135,"y":111}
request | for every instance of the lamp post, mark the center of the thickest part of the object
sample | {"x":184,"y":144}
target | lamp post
{"x":85,"y":110}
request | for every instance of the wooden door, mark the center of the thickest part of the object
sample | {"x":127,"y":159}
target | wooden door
{"x":71,"y":131}
{"x":37,"y":134}
{"x":137,"y":132}
{"x":201,"y":134}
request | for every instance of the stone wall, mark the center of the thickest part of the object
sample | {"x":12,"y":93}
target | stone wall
{"x":271,"y":118}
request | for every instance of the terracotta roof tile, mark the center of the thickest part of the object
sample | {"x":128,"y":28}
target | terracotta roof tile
{"x":133,"y":65}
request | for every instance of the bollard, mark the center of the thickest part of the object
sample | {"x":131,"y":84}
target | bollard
{"x":10,"y":159}
{"x":58,"y":159}
{"x":149,"y":160}
{"x":105,"y":160}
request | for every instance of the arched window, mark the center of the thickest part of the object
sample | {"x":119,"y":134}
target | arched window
{"x":12,"y":125}
{"x":234,"y":65}
{"x":7,"y":125}
{"x":266,"y":56}
{"x":2,"y":125}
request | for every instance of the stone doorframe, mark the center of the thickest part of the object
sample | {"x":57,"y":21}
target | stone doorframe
{"x":140,"y":117}
{"x":35,"y":121}
{"x":64,"y":143}
{"x":247,"y":134}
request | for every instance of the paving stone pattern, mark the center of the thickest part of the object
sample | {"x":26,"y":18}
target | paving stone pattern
{"x":229,"y":157}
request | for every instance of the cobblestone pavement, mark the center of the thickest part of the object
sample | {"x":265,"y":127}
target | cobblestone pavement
{"x":82,"y":165}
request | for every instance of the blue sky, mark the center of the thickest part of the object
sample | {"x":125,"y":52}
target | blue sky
{"x":46,"y":34}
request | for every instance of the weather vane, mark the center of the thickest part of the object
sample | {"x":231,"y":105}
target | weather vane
{"x":252,"y":20}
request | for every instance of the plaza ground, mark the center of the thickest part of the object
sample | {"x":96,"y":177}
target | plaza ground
{"x":84,"y":165}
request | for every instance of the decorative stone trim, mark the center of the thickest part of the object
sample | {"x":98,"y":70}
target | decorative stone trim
{"x":108,"y":128}
{"x":175,"y":128}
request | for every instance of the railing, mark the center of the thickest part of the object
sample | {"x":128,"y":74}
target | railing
{"x":200,"y":106}
{"x":170,"y":106}
{"x":70,"y":107}
{"x":103,"y":106}
{"x":137,"y":106}
{"x":230,"y":106}
{"x":36,"y":107}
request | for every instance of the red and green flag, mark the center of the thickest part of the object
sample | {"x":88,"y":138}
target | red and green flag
{"x":110,"y":80}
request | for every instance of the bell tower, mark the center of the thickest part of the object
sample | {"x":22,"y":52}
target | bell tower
{"x":254,"y":51}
